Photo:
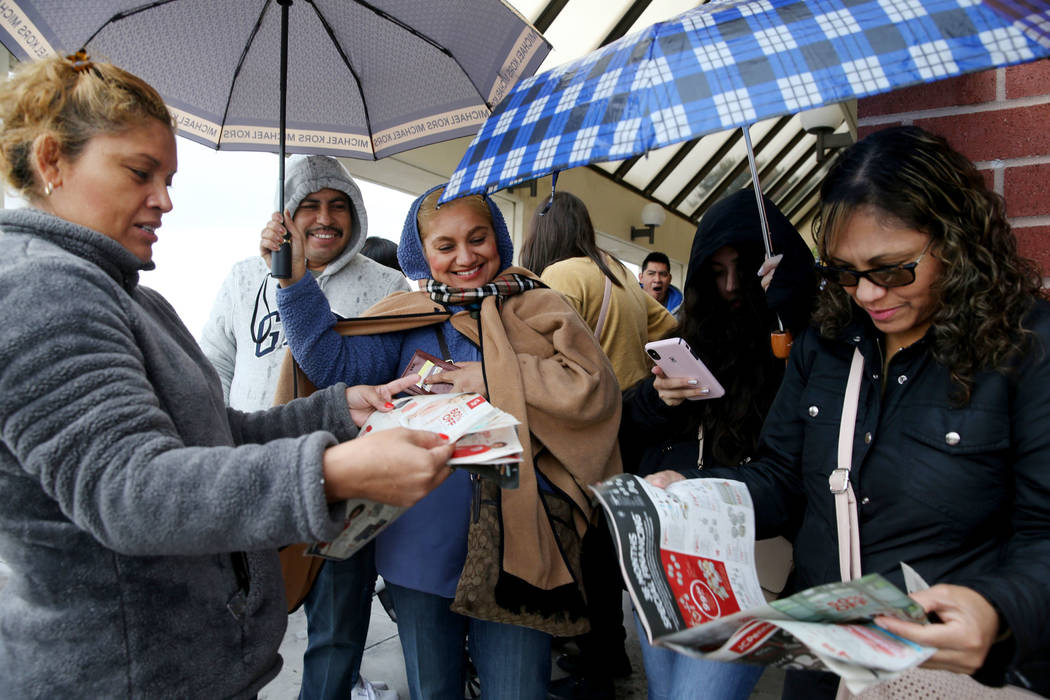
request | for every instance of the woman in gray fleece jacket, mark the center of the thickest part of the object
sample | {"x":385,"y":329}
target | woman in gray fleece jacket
{"x":139,"y":516}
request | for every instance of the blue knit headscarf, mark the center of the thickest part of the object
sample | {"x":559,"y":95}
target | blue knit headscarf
{"x":410,"y":250}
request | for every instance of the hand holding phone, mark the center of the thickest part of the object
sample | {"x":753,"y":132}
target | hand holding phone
{"x":676,"y":359}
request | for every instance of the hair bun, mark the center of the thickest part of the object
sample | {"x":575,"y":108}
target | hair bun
{"x":80,"y":61}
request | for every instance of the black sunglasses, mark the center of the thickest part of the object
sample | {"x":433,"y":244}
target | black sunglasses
{"x":888,"y":276}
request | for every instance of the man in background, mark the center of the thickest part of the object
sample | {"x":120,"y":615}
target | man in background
{"x":655,"y":279}
{"x":244,"y":341}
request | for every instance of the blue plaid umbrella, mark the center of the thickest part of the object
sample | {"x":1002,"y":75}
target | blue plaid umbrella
{"x":730,"y":64}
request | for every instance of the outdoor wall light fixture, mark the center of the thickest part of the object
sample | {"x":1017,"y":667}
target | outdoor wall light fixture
{"x":822,"y":122}
{"x":653,"y":215}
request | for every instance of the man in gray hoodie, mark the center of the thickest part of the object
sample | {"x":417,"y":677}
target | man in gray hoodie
{"x":244,"y":340}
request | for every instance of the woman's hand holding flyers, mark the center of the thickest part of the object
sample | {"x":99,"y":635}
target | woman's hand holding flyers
{"x":363,"y":400}
{"x":665,"y":478}
{"x":397,"y":466}
{"x":967,"y":630}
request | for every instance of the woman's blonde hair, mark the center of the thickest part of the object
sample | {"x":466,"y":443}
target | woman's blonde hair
{"x":71,"y":104}
{"x":428,"y":208}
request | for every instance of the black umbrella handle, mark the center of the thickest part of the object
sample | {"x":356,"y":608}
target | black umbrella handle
{"x":281,"y":260}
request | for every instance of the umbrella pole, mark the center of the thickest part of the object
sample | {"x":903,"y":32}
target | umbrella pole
{"x":767,"y":238}
{"x":281,"y":260}
{"x":780,"y":339}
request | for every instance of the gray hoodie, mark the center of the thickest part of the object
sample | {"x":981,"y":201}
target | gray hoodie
{"x":244,"y":337}
{"x":125,"y":484}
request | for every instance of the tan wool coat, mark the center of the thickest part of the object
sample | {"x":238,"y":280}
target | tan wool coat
{"x":543,"y":366}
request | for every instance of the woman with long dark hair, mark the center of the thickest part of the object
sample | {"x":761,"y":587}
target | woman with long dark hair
{"x":727,"y":316}
{"x":562,"y":250}
{"x":926,"y":295}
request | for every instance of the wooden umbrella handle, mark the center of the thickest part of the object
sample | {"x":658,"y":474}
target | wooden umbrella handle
{"x":781,"y":342}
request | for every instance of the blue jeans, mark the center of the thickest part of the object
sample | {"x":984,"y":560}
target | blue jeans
{"x":674,"y":676}
{"x":513,"y":662}
{"x":337,"y":612}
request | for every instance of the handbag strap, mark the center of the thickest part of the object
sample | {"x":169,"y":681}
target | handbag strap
{"x":446,"y":355}
{"x":605,"y":309}
{"x":846,"y":521}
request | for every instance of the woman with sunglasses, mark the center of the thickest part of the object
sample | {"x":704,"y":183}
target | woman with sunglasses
{"x":952,"y":436}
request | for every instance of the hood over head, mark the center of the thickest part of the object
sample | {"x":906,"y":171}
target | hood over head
{"x":410,"y":251}
{"x":735,"y":221}
{"x":306,"y":174}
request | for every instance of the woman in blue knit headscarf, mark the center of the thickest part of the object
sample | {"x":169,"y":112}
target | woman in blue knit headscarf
{"x":498,"y":566}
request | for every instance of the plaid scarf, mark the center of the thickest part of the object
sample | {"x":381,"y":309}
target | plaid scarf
{"x":505,"y":285}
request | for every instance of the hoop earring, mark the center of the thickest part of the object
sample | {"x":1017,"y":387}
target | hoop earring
{"x":48,"y":189}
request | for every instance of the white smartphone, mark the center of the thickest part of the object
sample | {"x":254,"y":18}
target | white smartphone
{"x":676,"y":359}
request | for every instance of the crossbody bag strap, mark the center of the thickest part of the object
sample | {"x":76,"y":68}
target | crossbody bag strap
{"x":846,"y":521}
{"x":604,"y":311}
{"x":446,"y":354}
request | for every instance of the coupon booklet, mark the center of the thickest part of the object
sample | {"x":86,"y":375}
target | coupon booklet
{"x":487,"y":445}
{"x":687,"y":556}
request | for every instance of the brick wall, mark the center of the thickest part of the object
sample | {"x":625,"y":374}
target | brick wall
{"x":1000,"y":119}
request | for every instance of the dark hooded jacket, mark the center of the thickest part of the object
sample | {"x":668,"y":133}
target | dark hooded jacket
{"x":655,"y":436}
{"x":734,"y":221}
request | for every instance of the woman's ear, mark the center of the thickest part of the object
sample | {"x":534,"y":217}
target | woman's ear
{"x":46,"y":158}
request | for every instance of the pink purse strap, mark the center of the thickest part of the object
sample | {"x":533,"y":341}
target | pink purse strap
{"x":845,"y":502}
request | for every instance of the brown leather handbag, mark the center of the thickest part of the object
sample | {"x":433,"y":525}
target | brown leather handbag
{"x":300,"y":572}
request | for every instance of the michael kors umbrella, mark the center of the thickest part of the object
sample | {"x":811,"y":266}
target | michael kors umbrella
{"x":354,"y":78}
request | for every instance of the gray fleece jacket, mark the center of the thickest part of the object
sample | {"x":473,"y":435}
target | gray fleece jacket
{"x":125,"y":484}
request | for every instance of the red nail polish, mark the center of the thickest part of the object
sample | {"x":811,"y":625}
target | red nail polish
{"x":443,"y":436}
{"x":368,"y":428}
{"x":388,"y":405}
